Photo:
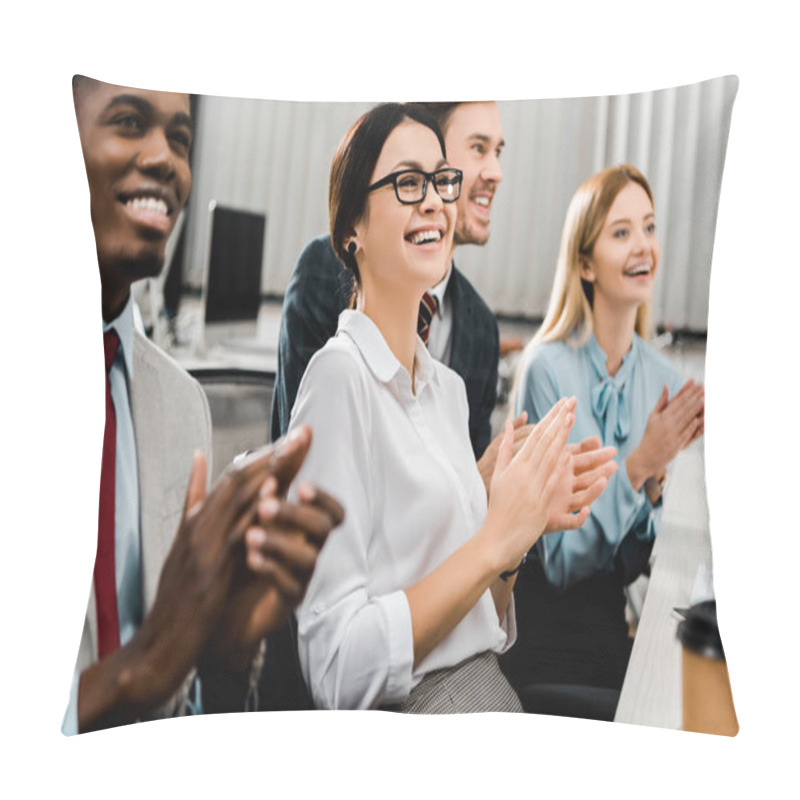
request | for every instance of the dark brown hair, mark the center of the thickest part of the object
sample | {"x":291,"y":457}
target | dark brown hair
{"x":442,"y":112}
{"x":354,"y":163}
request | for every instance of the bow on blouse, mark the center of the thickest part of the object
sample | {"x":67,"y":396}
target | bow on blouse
{"x":610,"y":402}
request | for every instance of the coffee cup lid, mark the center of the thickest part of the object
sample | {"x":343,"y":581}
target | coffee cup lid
{"x":699,"y":632}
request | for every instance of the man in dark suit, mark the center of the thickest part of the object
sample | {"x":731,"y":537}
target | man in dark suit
{"x":463,"y":330}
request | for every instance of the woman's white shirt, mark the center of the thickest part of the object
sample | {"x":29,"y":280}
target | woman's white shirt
{"x":403,"y":468}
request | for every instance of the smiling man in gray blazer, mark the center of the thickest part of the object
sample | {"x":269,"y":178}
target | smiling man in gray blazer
{"x":186,"y":584}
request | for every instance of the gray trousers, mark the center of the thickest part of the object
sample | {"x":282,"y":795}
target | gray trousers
{"x":476,"y":684}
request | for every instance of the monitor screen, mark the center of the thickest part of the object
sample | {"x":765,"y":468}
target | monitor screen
{"x":233,"y":282}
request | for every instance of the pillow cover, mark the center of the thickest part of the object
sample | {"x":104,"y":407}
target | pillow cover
{"x":258,"y":172}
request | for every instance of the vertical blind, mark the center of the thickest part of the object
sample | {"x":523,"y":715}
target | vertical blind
{"x":273,"y":157}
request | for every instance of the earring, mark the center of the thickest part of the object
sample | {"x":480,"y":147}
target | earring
{"x":351,"y":248}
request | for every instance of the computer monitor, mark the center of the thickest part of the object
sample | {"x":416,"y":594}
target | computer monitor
{"x":232,"y":286}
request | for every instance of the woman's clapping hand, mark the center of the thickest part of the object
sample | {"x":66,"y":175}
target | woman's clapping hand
{"x":592,"y":466}
{"x":673,"y":425}
{"x":525,"y":486}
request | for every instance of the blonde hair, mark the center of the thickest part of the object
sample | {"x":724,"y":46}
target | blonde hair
{"x":569,"y":315}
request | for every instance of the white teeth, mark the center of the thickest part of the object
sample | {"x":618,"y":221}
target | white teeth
{"x":643,"y":269}
{"x":423,"y":237}
{"x":482,"y":201}
{"x":153,"y":204}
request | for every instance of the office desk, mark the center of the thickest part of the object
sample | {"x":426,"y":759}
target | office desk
{"x":263,"y":358}
{"x":238,"y":384}
{"x":652,"y":693}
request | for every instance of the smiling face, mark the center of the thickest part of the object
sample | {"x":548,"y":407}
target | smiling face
{"x":474,"y":140}
{"x":136,"y":148}
{"x":405,"y":248}
{"x":625,"y":257}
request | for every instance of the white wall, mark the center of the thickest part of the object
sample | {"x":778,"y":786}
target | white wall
{"x":274,"y":156}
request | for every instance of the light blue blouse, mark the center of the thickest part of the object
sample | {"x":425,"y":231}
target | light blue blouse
{"x":615,"y":409}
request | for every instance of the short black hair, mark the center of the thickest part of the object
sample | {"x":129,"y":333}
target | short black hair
{"x":83,"y":83}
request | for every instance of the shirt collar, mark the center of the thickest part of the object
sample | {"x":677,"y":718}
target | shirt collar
{"x":383,"y":363}
{"x":440,"y":291}
{"x":598,"y":358}
{"x":123,"y":325}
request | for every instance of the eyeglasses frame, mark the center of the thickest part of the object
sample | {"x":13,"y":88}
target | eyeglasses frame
{"x":427,"y":177}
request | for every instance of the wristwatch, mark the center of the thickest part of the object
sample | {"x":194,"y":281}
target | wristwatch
{"x":504,"y":576}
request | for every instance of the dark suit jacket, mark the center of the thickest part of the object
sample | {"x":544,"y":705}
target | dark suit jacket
{"x":319,"y":289}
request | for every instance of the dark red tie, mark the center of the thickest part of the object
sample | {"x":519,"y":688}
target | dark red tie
{"x":105,"y":578}
{"x":427,"y":308}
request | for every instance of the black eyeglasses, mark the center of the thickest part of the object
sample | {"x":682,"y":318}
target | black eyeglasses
{"x":411,"y":185}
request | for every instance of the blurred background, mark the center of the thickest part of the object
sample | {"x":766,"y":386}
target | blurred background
{"x":260,"y":194}
{"x":273,"y":157}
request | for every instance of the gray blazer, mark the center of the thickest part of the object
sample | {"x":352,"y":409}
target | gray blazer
{"x":171,"y":420}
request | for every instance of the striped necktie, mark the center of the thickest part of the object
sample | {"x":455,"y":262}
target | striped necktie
{"x":105,"y":576}
{"x":427,"y":308}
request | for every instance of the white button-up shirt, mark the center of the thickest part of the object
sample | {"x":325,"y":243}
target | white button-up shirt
{"x":402,"y":466}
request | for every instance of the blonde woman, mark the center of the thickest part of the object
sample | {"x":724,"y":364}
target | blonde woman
{"x":592,"y":345}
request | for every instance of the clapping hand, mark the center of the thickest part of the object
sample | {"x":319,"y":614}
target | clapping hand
{"x":487,"y":462}
{"x":592,"y":466}
{"x":525,"y":485}
{"x":279,"y":553}
{"x":672,"y":426}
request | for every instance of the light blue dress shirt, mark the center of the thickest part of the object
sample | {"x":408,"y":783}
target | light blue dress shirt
{"x":127,"y":540}
{"x":614,"y":408}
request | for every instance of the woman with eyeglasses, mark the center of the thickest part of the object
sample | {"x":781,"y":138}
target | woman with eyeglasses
{"x":592,"y":345}
{"x":410,"y":600}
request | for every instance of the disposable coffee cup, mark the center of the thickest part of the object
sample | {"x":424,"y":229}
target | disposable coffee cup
{"x":707,"y":699}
